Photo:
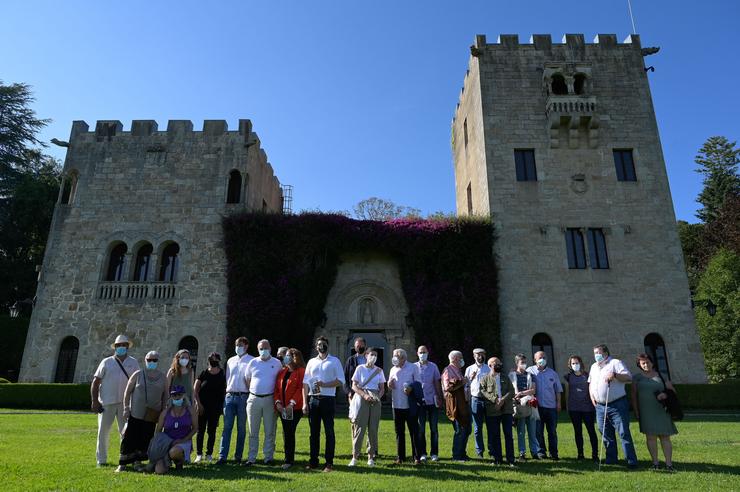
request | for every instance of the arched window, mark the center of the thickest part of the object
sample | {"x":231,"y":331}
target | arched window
{"x":234,"y":190}
{"x":143,"y":260}
{"x":67,"y":360}
{"x":116,"y":263}
{"x":69,"y":188}
{"x":543,"y":342}
{"x":190,"y":344}
{"x":559,"y":87}
{"x":367,"y":312}
{"x":579,"y":83}
{"x":170,"y":260}
{"x":655,"y":348}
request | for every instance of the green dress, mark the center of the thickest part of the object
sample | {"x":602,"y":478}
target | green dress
{"x":653,"y":417}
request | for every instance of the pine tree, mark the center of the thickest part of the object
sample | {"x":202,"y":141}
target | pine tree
{"x":718,"y":159}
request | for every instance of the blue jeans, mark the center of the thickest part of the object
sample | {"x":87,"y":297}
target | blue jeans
{"x":428,"y":412}
{"x":478,"y":408}
{"x":459,"y":440}
{"x":527,"y":426}
{"x":549,"y":419}
{"x":494,"y":425}
{"x":235,"y":406}
{"x":617,"y":420}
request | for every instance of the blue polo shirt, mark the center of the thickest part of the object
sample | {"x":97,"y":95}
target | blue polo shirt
{"x":548,"y":386}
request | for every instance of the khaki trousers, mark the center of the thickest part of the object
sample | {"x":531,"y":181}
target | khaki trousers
{"x":259,"y":409}
{"x":368,"y":418}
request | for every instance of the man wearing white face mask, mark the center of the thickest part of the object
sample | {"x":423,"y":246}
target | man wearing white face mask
{"x":235,"y":404}
{"x":433,"y":399}
{"x":107,"y":390}
{"x":474,"y":374}
{"x":402,"y":375}
{"x":549,"y":390}
{"x":260,"y":375}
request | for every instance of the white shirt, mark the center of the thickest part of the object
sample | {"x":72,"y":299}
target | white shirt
{"x":362,"y":373}
{"x":261,"y":375}
{"x":113,"y":380}
{"x":497,"y":377}
{"x":235,"y":368}
{"x":326,"y":371}
{"x":400,"y":375}
{"x":474,"y":381}
{"x":598,"y":387}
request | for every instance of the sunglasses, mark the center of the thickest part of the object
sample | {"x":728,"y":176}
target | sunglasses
{"x":152,"y":360}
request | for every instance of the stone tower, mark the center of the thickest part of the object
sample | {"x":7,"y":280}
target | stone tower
{"x":558,"y":142}
{"x":135,"y":242}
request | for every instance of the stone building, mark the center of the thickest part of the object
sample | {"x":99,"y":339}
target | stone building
{"x":558,"y":142}
{"x":135,"y":242}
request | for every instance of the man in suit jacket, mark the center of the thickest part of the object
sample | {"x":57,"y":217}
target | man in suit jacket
{"x":351,"y":364}
{"x":498,"y":391}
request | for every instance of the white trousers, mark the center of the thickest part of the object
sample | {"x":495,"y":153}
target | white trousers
{"x":105,"y":421}
{"x":259,"y":409}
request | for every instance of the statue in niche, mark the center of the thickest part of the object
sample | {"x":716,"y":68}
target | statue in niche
{"x":366,"y":311}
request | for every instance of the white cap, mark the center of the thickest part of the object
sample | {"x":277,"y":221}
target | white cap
{"x":122,"y":339}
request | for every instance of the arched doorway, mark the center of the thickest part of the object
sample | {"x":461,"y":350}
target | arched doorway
{"x":655,"y":348}
{"x":190,"y":343}
{"x":67,"y":360}
{"x":543,"y":342}
{"x":373,"y":339}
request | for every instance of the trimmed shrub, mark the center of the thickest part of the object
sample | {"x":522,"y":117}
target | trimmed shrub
{"x":45,"y":396}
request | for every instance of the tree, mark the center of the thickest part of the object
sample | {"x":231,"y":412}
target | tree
{"x":692,"y":237}
{"x":375,"y":208}
{"x":720,"y":334}
{"x":717,"y":159}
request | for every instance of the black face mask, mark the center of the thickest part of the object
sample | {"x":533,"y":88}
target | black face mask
{"x":322,"y":348}
{"x":214,"y":363}
{"x":360,"y":350}
{"x":498,"y":367}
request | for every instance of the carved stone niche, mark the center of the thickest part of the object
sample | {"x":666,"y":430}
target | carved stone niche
{"x":578,"y":183}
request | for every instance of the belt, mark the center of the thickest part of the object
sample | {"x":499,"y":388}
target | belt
{"x":262,"y":396}
{"x":318,"y":397}
{"x":237,"y":393}
{"x":617,"y":399}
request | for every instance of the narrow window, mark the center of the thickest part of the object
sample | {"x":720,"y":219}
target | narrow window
{"x":143,"y":260}
{"x":465,"y":132}
{"x":67,"y":360}
{"x":264,"y":206}
{"x":116,"y":262}
{"x":624,"y":165}
{"x":526,"y":170}
{"x":470,"y":199}
{"x":542,"y":342}
{"x":190,"y":343}
{"x":575,"y":247}
{"x":579,"y":83}
{"x":234,"y":190}
{"x":69,"y":187}
{"x":169,"y":263}
{"x":655,"y":348}
{"x":559,"y":87}
{"x":597,"y":249}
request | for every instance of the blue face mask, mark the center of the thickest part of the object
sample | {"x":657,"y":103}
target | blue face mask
{"x":178,"y":402}
{"x":151,"y":365}
{"x":287,"y":360}
{"x":265,"y":353}
{"x":121,"y":351}
{"x":599,"y":357}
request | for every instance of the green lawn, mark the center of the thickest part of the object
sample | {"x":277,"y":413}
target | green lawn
{"x":52,"y":451}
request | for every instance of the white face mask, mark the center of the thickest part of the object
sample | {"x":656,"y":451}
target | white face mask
{"x":371,"y":359}
{"x":522,"y":365}
{"x":395,"y":361}
{"x":542,"y":362}
{"x":184,"y":362}
{"x":575,"y":366}
{"x":240,"y":350}
{"x":462,"y":363}
{"x":423,"y":356}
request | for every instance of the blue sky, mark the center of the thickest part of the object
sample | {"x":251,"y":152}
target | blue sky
{"x":350,"y":99}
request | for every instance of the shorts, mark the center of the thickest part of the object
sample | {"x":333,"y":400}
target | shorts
{"x":187,"y":448}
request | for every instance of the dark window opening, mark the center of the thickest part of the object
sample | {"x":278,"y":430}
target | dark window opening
{"x":143,"y":260}
{"x":190,"y":344}
{"x":575,"y":247}
{"x":542,"y":342}
{"x":465,"y":132}
{"x":69,"y":186}
{"x":579,"y":83}
{"x":655,"y":348}
{"x":559,"y":87}
{"x":233,"y":194}
{"x":526,"y":170}
{"x":116,"y":263}
{"x":67,"y":360}
{"x":470,"y":199}
{"x":597,"y":249}
{"x":625,"y":165}
{"x":264,"y":206}
{"x":169,"y":263}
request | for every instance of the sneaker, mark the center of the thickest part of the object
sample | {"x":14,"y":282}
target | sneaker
{"x":352,"y":462}
{"x":328,"y":468}
{"x":541,"y":456}
{"x":286,"y":466}
{"x":198,"y":458}
{"x":311,"y":467}
{"x":209,"y":458}
{"x":417,"y":462}
{"x":656,"y":467}
{"x":522,"y":457}
{"x":435,"y":457}
{"x":120,"y":468}
{"x":512,"y":465}
{"x":423,"y":458}
{"x":670,"y":469}
{"x":247,"y":463}
{"x":370,"y":462}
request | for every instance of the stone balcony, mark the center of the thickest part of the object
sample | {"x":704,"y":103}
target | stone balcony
{"x":576,"y":114}
{"x":137,"y":291}
{"x":570,"y":105}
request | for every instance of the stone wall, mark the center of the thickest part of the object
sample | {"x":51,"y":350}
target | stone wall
{"x":645,"y":289}
{"x":136,"y":187}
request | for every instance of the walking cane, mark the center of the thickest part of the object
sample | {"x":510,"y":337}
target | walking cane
{"x":603,"y":427}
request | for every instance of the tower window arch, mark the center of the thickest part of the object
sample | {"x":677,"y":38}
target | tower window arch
{"x":190,"y":343}
{"x":169,"y":263}
{"x":558,"y":85}
{"x":67,"y":360}
{"x":69,"y":188}
{"x":655,"y":348}
{"x":543,"y":342}
{"x":579,"y":83}
{"x":143,"y":262}
{"x":116,"y":262}
{"x":234,"y":188}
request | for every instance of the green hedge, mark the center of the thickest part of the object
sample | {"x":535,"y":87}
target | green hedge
{"x":45,"y":396}
{"x":722,"y":396}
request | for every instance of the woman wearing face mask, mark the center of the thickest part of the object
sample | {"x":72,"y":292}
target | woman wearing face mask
{"x":580,"y":408}
{"x":143,"y":402}
{"x":525,"y":421}
{"x":209,"y":393}
{"x":181,"y":373}
{"x":368,"y":384}
{"x":289,"y":400}
{"x":178,"y":422}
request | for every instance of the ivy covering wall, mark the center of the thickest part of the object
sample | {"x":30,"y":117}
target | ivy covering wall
{"x":281,"y":268}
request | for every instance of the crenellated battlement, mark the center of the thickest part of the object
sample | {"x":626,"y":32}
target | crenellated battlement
{"x":543,"y":42}
{"x":108,"y":130}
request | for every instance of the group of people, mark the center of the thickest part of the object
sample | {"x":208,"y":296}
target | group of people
{"x":159,"y":413}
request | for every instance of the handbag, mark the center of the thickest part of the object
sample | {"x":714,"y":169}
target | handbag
{"x":671,"y":404}
{"x":521,"y":409}
{"x":150,"y":414}
{"x":356,"y":402}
